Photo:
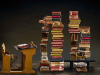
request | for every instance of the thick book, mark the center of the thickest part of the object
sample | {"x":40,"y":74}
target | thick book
{"x":73,"y":29}
{"x":84,"y":45}
{"x":56,"y":59}
{"x":71,"y":25}
{"x":56,"y":31}
{"x":84,"y":28}
{"x":72,"y":52}
{"x":75,"y":50}
{"x":75,"y":20}
{"x":58,"y":35}
{"x":85,"y":41}
{"x":56,"y":19}
{"x":57,"y":45}
{"x":56,"y":56}
{"x":56,"y":66}
{"x":73,"y":16}
{"x":45,"y":28}
{"x":44,"y":64}
{"x":73,"y":45}
{"x":73,"y":12}
{"x":85,"y":37}
{"x":58,"y":40}
{"x":57,"y":28}
{"x":57,"y":50}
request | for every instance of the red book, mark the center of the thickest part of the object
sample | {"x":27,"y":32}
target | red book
{"x":55,"y":16}
{"x":56,"y":56}
{"x":58,"y":40}
{"x":57,"y":28}
{"x":56,"y":12}
{"x":85,"y":37}
{"x":74,"y":32}
{"x":73,"y":13}
{"x":57,"y":45}
{"x":44,"y":64}
{"x":56,"y":67}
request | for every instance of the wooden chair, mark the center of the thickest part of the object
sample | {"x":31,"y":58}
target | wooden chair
{"x":6,"y":57}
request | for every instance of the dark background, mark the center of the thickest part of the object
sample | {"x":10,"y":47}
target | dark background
{"x":19,"y":23}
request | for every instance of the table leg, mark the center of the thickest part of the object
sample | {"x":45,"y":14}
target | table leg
{"x":71,"y":66}
{"x":87,"y":66}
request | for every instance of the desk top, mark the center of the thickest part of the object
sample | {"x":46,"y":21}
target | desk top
{"x":79,"y":60}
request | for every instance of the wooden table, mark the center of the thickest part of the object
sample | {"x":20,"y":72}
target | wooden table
{"x":71,"y":63}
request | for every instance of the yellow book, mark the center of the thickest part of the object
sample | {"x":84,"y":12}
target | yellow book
{"x":81,"y":56}
{"x":74,"y":27}
{"x":57,"y":50}
{"x":55,"y":54}
{"x":56,"y":30}
{"x":75,"y":20}
{"x":58,"y":35}
{"x":56,"y":47}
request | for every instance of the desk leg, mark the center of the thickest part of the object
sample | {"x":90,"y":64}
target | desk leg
{"x":87,"y":66}
{"x":71,"y":66}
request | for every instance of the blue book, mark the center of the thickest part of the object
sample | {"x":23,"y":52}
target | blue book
{"x":56,"y":59}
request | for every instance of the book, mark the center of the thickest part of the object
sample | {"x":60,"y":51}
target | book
{"x":73,"y":47}
{"x":56,"y":59}
{"x":85,"y":41}
{"x":44,"y":64}
{"x":56,"y":19}
{"x":56,"y":30}
{"x":56,"y":67}
{"x":56,"y":16}
{"x":58,"y":35}
{"x":57,"y":26}
{"x":57,"y":45}
{"x":56,"y":56}
{"x":85,"y":37}
{"x":45,"y":28}
{"x":84,"y":28}
{"x":73,"y":29}
{"x":57,"y":38}
{"x":72,"y":25}
{"x":57,"y":50}
{"x":75,"y":50}
{"x":73,"y":12}
{"x":84,"y":45}
{"x":75,"y":20}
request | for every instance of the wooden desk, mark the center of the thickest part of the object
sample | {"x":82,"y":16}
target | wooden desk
{"x":71,"y":63}
{"x":26,"y":63}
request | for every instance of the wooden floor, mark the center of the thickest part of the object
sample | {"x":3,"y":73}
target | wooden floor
{"x":94,"y":69}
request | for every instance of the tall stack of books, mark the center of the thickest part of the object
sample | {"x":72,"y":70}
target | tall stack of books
{"x":74,"y":30}
{"x":83,"y":50}
{"x":57,"y":62}
{"x":44,"y":63}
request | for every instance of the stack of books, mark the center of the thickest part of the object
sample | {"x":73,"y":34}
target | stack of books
{"x":57,"y":62}
{"x":44,"y":63}
{"x":84,"y":47}
{"x":74,"y":30}
{"x":81,"y":66}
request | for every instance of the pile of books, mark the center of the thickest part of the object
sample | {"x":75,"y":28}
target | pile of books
{"x":74,"y":30}
{"x":81,"y":66}
{"x":44,"y":63}
{"x":57,"y":62}
{"x":83,"y":50}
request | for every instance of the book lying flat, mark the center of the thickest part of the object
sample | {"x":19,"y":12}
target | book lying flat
{"x":75,"y":20}
{"x":73,"y":12}
{"x":56,"y":30}
{"x":56,"y":59}
{"x":55,"y":54}
{"x":58,"y":35}
{"x":57,"y":50}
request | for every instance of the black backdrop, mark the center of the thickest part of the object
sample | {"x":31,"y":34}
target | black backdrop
{"x":19,"y":23}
